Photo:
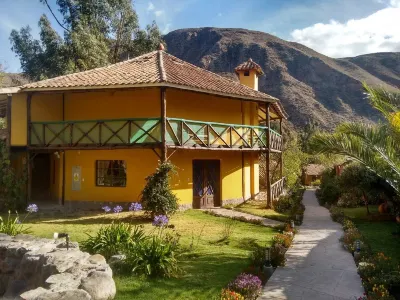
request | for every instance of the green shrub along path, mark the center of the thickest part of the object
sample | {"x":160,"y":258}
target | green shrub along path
{"x":377,"y":233}
{"x":207,"y":268}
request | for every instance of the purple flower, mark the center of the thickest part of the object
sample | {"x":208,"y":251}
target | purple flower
{"x":247,"y":285}
{"x":106,"y":209}
{"x":135,"y":206}
{"x":32,"y":208}
{"x":160,"y":221}
{"x":118,"y":209}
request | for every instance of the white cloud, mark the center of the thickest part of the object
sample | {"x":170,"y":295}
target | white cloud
{"x":150,"y":7}
{"x":159,"y":13}
{"x":378,"y":32}
{"x":166,"y":29}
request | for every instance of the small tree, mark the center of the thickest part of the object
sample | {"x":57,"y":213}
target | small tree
{"x":11,"y":184}
{"x":157,"y":197}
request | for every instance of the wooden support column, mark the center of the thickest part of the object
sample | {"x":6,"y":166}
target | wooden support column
{"x":268,"y":158}
{"x":281,"y":157}
{"x":29,"y":157}
{"x":9,"y":98}
{"x":163,"y":101}
{"x":63,"y":156}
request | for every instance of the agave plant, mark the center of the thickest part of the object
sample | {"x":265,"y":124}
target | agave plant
{"x":377,"y":146}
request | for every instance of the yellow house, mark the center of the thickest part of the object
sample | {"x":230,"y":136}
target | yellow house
{"x":93,"y":137}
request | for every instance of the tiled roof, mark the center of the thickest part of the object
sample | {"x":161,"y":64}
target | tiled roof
{"x":248,"y":66}
{"x":314,"y":169}
{"x":156,"y":68}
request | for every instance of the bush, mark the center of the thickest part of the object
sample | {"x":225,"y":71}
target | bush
{"x":347,"y":224}
{"x":284,"y":240}
{"x":247,"y":285}
{"x":230,"y":295}
{"x":350,"y":237}
{"x":349,"y":199}
{"x":283,"y":204}
{"x":316,"y":182}
{"x":114,"y":239}
{"x":329,"y":191}
{"x":14,"y":226}
{"x":337,"y":214}
{"x":278,"y":256}
{"x":154,"y":257}
{"x":157,"y":197}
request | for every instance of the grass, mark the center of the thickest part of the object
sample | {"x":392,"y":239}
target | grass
{"x":377,"y":233}
{"x":258,"y":208}
{"x":207,"y":268}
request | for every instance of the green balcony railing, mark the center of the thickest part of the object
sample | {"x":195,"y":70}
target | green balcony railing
{"x":180,"y":133}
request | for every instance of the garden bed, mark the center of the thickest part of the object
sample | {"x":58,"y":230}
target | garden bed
{"x":207,"y":268}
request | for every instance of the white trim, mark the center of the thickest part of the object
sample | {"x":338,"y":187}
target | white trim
{"x":9,"y":90}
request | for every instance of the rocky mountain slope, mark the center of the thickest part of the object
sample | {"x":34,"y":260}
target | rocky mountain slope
{"x":310,"y":85}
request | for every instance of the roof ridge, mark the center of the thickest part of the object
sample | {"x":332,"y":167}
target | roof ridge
{"x":163,"y":74}
{"x":222,"y":77}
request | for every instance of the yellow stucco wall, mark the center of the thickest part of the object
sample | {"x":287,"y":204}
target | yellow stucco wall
{"x":140,"y":103}
{"x":18,"y":120}
{"x":202,"y":107}
{"x":140,"y":162}
{"x":251,"y":80}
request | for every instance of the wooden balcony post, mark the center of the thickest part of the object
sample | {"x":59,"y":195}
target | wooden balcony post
{"x":163,"y":100}
{"x":281,"y":155}
{"x":9,"y":98}
{"x":28,"y":143}
{"x":268,"y":158}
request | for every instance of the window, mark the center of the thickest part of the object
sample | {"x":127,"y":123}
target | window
{"x":111,"y":173}
{"x":246,"y":73}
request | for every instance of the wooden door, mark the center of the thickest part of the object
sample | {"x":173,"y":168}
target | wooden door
{"x":206,"y":183}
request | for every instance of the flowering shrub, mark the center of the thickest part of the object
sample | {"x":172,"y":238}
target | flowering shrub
{"x":106,"y":209}
{"x":118,"y":209}
{"x":350,"y":237}
{"x":135,"y":206}
{"x":32,"y":208}
{"x":160,"y":221}
{"x":284,"y":240}
{"x":230,"y":295}
{"x":278,"y":255}
{"x":113,"y":239}
{"x":347,"y":224}
{"x":337,"y":214}
{"x":14,"y":226}
{"x":247,"y":285}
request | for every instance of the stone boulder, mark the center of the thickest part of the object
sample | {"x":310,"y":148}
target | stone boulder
{"x":33,"y":268}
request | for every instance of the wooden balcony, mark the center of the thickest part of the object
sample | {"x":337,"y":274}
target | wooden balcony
{"x":146,"y":132}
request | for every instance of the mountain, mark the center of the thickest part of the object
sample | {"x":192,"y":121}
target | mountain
{"x":311,"y":86}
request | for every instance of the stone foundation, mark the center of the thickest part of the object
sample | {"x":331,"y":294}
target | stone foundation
{"x":33,"y":268}
{"x":236,"y":201}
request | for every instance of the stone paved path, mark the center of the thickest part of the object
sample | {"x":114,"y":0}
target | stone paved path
{"x":317,"y":266}
{"x":233,"y":213}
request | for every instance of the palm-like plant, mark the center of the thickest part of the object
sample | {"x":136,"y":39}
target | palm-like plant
{"x":377,"y":146}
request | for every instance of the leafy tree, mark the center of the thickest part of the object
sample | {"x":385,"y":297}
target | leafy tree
{"x":377,"y":146}
{"x":157,"y":197}
{"x":96,"y":33}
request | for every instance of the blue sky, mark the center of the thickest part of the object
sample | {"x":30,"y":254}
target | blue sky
{"x":336,"y":28}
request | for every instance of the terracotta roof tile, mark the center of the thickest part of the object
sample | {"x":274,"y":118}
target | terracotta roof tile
{"x":156,"y":68}
{"x":314,"y":169}
{"x":248,"y":66}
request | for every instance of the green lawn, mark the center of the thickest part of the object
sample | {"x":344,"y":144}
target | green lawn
{"x":258,"y":208}
{"x":377,"y":233}
{"x":207,"y":269}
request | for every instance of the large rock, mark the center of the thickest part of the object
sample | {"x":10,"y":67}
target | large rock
{"x":99,"y":285}
{"x":33,"y":268}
